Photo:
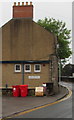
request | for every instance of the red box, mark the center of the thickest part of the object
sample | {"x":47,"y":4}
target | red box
{"x":24,"y":90}
{"x":16,"y":91}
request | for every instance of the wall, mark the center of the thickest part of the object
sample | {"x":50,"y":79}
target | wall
{"x":23,"y":39}
{"x":0,"y":57}
{"x":55,"y":72}
{"x":12,"y":78}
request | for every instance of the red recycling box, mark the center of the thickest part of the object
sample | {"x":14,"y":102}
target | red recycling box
{"x":24,"y":90}
{"x":16,"y":91}
{"x":20,"y":90}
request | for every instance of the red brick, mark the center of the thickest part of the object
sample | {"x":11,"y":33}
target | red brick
{"x":23,"y":11}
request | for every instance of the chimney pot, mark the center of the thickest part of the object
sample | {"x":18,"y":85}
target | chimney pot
{"x":26,"y":3}
{"x":22,"y":3}
{"x":30,"y":3}
{"x":18,"y":3}
{"x":14,"y":3}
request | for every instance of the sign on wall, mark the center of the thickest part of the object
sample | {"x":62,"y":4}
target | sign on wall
{"x":34,"y":77}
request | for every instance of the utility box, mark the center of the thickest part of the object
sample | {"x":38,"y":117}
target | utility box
{"x":39,"y":91}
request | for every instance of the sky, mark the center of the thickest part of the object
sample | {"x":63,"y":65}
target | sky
{"x":60,"y":10}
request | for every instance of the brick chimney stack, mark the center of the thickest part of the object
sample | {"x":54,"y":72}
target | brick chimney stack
{"x":23,"y":11}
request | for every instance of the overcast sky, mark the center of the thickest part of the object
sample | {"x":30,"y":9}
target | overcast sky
{"x":61,"y":10}
{"x":57,"y":10}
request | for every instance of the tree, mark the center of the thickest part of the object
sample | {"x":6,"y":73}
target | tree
{"x":63,"y":35}
{"x":68,"y":70}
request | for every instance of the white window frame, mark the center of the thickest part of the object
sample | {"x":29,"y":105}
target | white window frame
{"x":27,"y":70}
{"x":17,"y":70}
{"x":37,"y":70}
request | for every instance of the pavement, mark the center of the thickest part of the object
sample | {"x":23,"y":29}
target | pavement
{"x":13,"y":105}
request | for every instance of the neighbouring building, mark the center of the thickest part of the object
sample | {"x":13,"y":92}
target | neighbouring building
{"x":67,"y":70}
{"x":29,"y":53}
{"x":67,"y":73}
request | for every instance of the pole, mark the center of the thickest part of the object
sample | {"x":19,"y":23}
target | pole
{"x":59,"y":70}
{"x":51,"y":70}
{"x":22,"y":74}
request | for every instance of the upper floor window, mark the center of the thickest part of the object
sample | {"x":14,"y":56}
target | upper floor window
{"x":27,"y":68}
{"x":17,"y":68}
{"x":37,"y":68}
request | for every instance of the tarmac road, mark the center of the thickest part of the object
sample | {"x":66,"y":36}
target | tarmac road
{"x":62,"y":109}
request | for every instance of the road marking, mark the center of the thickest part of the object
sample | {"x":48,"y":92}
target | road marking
{"x":21,"y":113}
{"x":69,"y":95}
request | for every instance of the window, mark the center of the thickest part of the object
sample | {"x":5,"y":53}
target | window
{"x":27,"y":68}
{"x":17,"y":68}
{"x":37,"y":68}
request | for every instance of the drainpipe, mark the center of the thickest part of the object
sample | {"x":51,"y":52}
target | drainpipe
{"x":51,"y":66}
{"x":22,"y":74}
{"x":51,"y":70}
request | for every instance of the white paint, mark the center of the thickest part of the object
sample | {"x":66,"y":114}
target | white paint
{"x":14,"y":89}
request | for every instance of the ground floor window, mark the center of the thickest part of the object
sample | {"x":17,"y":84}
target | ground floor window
{"x":17,"y":68}
{"x":37,"y":68}
{"x":27,"y":68}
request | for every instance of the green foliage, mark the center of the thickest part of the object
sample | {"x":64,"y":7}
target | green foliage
{"x":63,"y":35}
{"x":67,"y":70}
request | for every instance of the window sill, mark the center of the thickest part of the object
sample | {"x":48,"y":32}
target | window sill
{"x":17,"y":72}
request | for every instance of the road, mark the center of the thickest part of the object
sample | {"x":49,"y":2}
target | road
{"x":62,"y":109}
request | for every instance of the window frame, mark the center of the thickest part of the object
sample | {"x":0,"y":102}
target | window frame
{"x":37,"y":70}
{"x":17,"y":70}
{"x":27,"y":70}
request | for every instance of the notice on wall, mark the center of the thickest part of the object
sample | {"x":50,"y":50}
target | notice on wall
{"x":34,"y":77}
{"x":39,"y":89}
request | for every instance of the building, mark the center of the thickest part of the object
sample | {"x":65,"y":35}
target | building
{"x":28,"y":51}
{"x":68,"y":70}
{"x":67,"y":73}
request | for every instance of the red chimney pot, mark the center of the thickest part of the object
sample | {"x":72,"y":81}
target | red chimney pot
{"x":22,"y":3}
{"x":30,"y":3}
{"x":18,"y":3}
{"x":14,"y":3}
{"x":26,"y":3}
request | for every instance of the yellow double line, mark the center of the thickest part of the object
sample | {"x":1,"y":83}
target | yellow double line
{"x":21,"y":113}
